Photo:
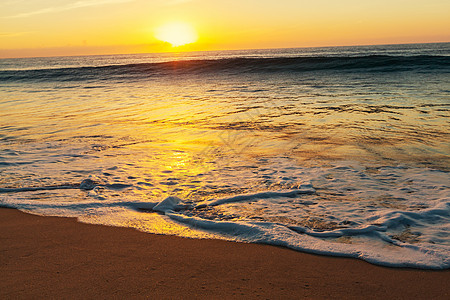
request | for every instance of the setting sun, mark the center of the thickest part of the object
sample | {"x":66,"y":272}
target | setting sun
{"x":176,"y":34}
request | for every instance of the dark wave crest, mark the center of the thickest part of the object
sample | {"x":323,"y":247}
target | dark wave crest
{"x":373,"y":63}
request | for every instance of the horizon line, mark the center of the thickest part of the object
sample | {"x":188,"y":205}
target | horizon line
{"x":200,"y":51}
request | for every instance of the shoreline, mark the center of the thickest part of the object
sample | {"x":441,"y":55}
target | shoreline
{"x":62,"y":258}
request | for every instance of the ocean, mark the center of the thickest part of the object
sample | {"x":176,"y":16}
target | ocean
{"x":340,"y":151}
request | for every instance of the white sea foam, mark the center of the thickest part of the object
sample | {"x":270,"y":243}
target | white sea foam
{"x":401,"y":229}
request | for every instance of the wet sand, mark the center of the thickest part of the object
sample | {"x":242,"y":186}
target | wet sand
{"x":54,"y":257}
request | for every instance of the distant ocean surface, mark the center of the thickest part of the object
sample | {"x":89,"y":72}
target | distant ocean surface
{"x":340,"y":151}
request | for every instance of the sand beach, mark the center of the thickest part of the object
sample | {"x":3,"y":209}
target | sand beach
{"x":51,"y":257}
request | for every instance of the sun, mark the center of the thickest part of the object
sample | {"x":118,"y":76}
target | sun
{"x":176,"y":33}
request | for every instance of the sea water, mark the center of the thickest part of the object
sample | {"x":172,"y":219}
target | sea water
{"x":340,"y":151}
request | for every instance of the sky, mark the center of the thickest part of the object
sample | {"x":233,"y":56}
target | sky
{"x":87,"y":27}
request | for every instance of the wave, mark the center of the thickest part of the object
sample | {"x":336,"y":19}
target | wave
{"x":394,"y":227}
{"x":377,"y":227}
{"x":374,"y":239}
{"x":371,"y":63}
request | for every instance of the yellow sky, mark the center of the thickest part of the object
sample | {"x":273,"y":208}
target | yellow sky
{"x":82,"y":27}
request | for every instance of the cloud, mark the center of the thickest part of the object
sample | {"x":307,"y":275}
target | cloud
{"x":77,"y":4}
{"x":11,"y":34}
{"x":9,"y":2}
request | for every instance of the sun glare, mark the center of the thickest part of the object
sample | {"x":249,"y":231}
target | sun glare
{"x":176,"y":34}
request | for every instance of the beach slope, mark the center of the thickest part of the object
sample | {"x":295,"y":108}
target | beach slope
{"x":60,"y":258}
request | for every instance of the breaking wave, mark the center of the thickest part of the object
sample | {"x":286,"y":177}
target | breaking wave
{"x":371,"y":63}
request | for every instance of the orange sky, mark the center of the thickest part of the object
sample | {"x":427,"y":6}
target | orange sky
{"x":82,"y":27}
